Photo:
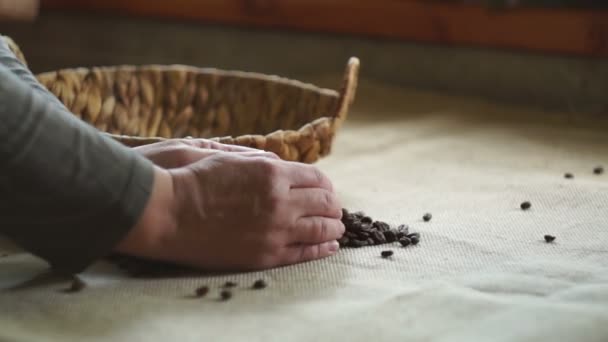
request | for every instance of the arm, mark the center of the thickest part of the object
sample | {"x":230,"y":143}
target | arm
{"x":10,"y":61}
{"x":67,"y":193}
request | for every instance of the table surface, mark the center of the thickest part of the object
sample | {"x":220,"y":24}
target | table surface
{"x":481,"y":272}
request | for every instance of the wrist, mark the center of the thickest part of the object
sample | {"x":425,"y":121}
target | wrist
{"x":156,"y":223}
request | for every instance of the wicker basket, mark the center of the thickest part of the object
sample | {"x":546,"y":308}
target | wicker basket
{"x":147,"y":104}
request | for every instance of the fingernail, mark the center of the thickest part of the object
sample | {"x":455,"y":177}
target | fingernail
{"x":334,"y":246}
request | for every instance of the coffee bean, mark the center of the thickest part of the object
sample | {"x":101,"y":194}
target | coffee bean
{"x":350,"y":235}
{"x":343,"y":241}
{"x":549,"y":238}
{"x":525,"y":205}
{"x":259,"y":284}
{"x":345,"y":213}
{"x":414,"y":235}
{"x":370,"y":242}
{"x":364,"y":234}
{"x":229,"y":284}
{"x":390,"y":236}
{"x":386,"y":254}
{"x":427,"y":217}
{"x":367,"y":220}
{"x":404,"y":228}
{"x":378,"y":237}
{"x":568,"y":175}
{"x":598,"y":170}
{"x":77,"y":285}
{"x":359,"y":214}
{"x":357,"y":243}
{"x":405,"y":241}
{"x":415,"y":240}
{"x":225,"y":295}
{"x":202,"y":291}
{"x":382,"y":226}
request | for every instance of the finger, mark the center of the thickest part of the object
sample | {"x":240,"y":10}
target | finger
{"x":258,"y":154}
{"x":307,"y":176}
{"x":314,"y":230}
{"x":315,"y":202}
{"x":205,"y":143}
{"x":302,"y":253}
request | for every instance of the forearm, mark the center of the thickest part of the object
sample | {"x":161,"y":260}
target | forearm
{"x":67,"y":193}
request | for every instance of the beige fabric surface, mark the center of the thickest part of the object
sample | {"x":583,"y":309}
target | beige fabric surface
{"x":482,"y":271}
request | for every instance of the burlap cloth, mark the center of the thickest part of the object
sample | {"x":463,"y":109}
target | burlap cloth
{"x":482,"y":271}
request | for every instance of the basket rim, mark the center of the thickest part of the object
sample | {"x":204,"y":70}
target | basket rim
{"x":200,"y":70}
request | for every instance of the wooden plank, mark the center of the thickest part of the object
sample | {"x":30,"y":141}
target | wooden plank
{"x":566,"y":31}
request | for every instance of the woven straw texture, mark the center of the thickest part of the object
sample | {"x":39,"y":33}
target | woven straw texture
{"x":142,"y":105}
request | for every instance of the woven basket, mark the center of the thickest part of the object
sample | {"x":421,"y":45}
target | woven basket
{"x":147,"y":104}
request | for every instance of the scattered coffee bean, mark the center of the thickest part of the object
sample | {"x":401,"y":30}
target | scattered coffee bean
{"x":229,"y":284}
{"x":405,"y":241}
{"x":549,"y":238}
{"x":202,"y":291}
{"x":415,"y":240}
{"x":568,"y":175}
{"x":260,"y":284}
{"x":525,"y":205}
{"x":427,"y":217}
{"x":225,"y":295}
{"x":76,"y":286}
{"x":386,"y":254}
{"x":598,"y":170}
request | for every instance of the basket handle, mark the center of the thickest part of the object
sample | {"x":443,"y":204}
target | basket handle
{"x":348,"y":90}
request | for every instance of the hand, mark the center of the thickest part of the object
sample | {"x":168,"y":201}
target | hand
{"x":233,"y":211}
{"x":176,"y":153}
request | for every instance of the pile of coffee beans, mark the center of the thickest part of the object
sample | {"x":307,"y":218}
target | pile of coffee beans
{"x":362,"y":230}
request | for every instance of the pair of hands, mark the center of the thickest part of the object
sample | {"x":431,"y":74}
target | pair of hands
{"x":223,"y":207}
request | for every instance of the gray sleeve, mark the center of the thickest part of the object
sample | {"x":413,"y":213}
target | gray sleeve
{"x":8,"y":59}
{"x":68,"y":194}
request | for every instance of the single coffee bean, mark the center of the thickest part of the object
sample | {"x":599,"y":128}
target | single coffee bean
{"x":229,"y":284}
{"x":370,"y":242}
{"x":202,"y":291}
{"x":259,"y":284}
{"x":549,"y":238}
{"x":77,"y":285}
{"x":414,"y":235}
{"x":225,"y":295}
{"x":525,"y":205}
{"x":382,"y":226}
{"x":359,"y":214}
{"x":404,"y":228}
{"x":390,"y":236}
{"x":598,"y":170}
{"x":427,"y":217}
{"x":405,"y":241}
{"x":378,"y":237}
{"x":364,"y":234}
{"x":343,"y":241}
{"x":357,"y":243}
{"x":415,"y":240}
{"x":350,"y":235}
{"x":366,"y":219}
{"x":345,"y":213}
{"x":568,"y":175}
{"x":386,"y":254}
